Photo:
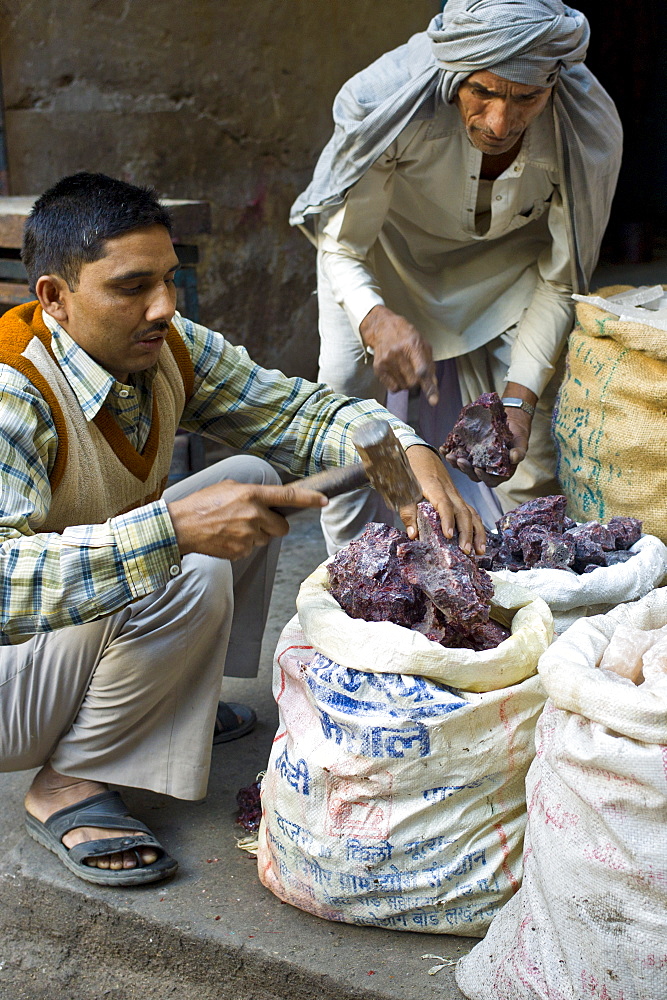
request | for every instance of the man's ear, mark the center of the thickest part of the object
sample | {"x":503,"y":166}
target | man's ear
{"x":50,"y":290}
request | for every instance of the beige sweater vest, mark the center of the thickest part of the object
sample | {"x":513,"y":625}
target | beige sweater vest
{"x":97,"y":473}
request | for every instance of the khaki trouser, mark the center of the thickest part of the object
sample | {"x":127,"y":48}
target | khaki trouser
{"x":131,"y":699}
{"x":345,"y":366}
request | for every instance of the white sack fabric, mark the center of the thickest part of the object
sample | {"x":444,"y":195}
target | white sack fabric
{"x":390,"y":799}
{"x":382,"y":647}
{"x":571,"y":596}
{"x":591,"y":917}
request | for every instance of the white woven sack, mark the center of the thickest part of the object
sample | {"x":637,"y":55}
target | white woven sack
{"x":382,"y":647}
{"x":571,"y":596}
{"x":590,"y":920}
{"x":390,"y":799}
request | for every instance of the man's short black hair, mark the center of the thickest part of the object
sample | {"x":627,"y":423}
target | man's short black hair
{"x":70,"y":223}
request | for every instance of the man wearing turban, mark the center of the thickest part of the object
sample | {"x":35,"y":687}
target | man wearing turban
{"x":460,"y":201}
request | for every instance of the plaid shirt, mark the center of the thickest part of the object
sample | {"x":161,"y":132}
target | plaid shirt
{"x":52,"y":580}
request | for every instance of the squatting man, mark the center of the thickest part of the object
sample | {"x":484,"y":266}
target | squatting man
{"x":124,"y":604}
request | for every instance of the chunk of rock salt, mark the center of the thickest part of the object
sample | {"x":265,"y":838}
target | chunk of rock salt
{"x":482,"y":436}
{"x":654,"y":661}
{"x":624,"y":653}
{"x":630,"y":653}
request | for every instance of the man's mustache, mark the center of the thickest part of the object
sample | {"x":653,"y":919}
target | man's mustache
{"x":159,"y":327}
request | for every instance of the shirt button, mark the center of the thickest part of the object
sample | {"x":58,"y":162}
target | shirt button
{"x":174,"y":570}
{"x":499,"y":197}
{"x":468,"y":209}
{"x":472,"y":177}
{"x":123,"y":393}
{"x":517,"y":169}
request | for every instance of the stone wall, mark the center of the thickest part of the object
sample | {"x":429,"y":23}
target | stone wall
{"x":225,"y":100}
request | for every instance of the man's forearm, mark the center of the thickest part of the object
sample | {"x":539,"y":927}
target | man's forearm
{"x":53,"y":581}
{"x":514,"y":390}
{"x":541,"y":337}
{"x":353,"y":283}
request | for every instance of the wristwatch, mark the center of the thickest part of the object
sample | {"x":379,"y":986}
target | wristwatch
{"x":520,"y":404}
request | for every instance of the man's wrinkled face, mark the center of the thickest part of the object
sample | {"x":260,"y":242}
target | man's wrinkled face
{"x":120,"y":311}
{"x":497,"y":112}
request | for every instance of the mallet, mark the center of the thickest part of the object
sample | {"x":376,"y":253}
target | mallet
{"x":384,"y":466}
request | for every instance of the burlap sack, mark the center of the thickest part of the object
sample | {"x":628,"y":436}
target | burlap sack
{"x":610,"y":420}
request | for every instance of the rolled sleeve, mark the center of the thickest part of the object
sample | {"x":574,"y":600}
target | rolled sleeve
{"x":541,"y":336}
{"x":147,"y":547}
{"x":546,"y":323}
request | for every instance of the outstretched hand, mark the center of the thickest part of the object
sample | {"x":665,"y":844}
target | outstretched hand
{"x":439,"y":490}
{"x":229,"y":519}
{"x":402,"y":358}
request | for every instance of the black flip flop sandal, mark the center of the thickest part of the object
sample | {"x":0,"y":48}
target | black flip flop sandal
{"x":108,"y":811}
{"x":232,"y":721}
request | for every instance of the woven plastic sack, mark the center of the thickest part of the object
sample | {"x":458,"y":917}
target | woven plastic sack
{"x":590,"y":920}
{"x":391,"y":799}
{"x":571,"y":596}
{"x":609,"y":420}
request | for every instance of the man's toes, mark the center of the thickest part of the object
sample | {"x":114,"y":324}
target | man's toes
{"x":124,"y":859}
{"x":147,"y":855}
{"x":139,"y":857}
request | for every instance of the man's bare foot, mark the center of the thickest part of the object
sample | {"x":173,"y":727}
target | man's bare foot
{"x":51,"y":791}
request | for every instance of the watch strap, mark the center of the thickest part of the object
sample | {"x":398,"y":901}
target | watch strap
{"x":520,"y":404}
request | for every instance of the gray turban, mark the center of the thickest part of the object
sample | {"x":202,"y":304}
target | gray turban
{"x":526,"y":41}
{"x":540,"y":43}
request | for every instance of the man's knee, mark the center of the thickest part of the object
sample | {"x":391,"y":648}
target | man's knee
{"x":207,"y":584}
{"x":250,"y":469}
{"x":239,"y":468}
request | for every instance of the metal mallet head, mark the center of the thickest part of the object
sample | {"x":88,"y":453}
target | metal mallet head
{"x":386,"y":464}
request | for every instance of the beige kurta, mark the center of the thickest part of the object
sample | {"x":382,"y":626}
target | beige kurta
{"x":462,"y":259}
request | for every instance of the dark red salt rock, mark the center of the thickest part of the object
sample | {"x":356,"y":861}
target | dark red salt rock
{"x":449,"y":583}
{"x":435,"y":626}
{"x":455,"y":635}
{"x":591,"y":541}
{"x":549,"y":511}
{"x":614,"y":558}
{"x":485,"y":635}
{"x":493,"y":542}
{"x":250,"y":808}
{"x":543,"y":548}
{"x":591,"y":536}
{"x":510,"y":545}
{"x":444,"y":572}
{"x":539,"y":534}
{"x":383,"y":576}
{"x":625,"y":531}
{"x":367,"y":580}
{"x":482,"y":437}
{"x":509,"y":555}
{"x":609,"y":559}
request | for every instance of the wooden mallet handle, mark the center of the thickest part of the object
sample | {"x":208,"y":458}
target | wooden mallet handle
{"x":384,"y":466}
{"x":331,"y":482}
